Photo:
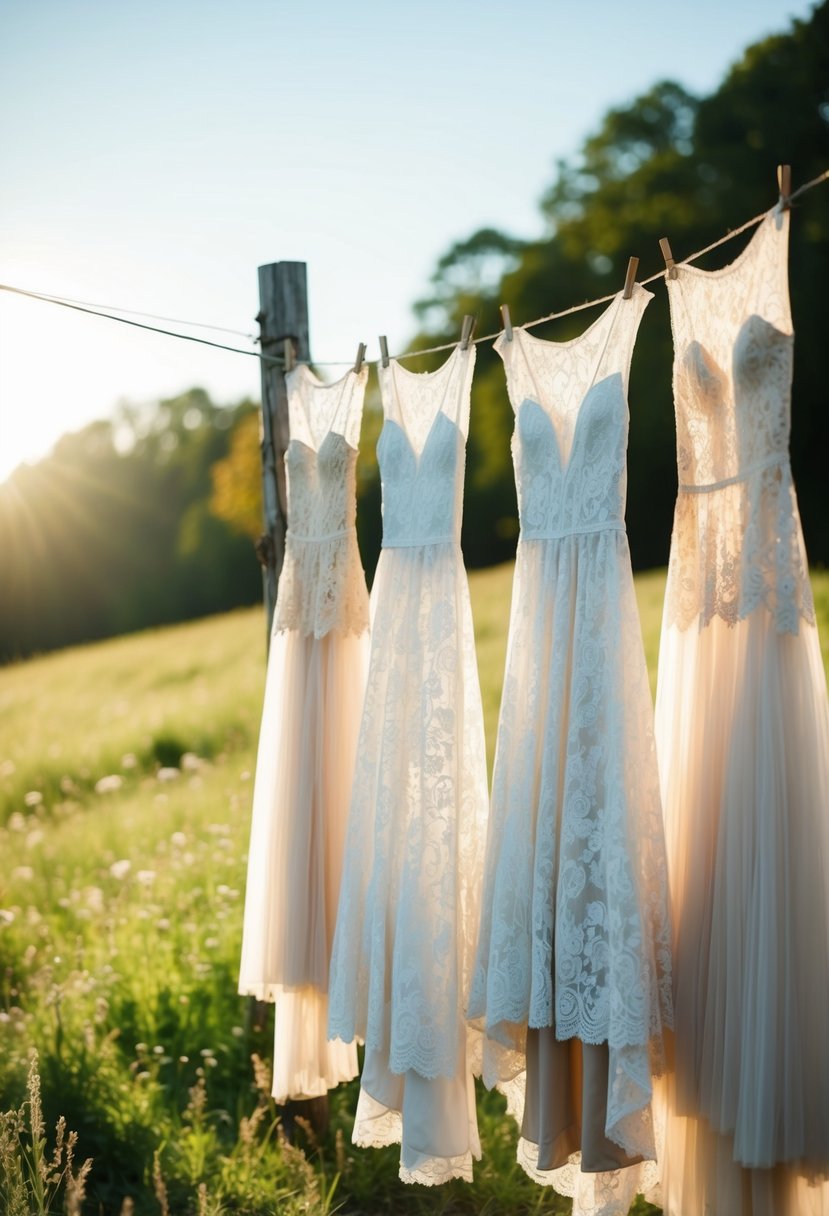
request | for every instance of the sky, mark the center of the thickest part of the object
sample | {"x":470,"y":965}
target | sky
{"x":153,"y":155}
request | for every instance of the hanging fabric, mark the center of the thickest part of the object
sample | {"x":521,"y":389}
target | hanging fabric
{"x":573,"y":971}
{"x":314,"y":685}
{"x":408,"y":910}
{"x":743,"y":739}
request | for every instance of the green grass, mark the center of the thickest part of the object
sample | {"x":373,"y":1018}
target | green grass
{"x":120,"y":924}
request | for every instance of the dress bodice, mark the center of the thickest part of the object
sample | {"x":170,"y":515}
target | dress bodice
{"x":736,"y":530}
{"x":322,"y":585}
{"x":421,"y":451}
{"x":571,"y":422}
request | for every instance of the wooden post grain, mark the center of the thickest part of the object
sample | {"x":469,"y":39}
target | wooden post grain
{"x":283,"y":313}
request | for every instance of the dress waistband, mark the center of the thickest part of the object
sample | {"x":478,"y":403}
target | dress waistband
{"x":310,"y":540}
{"x":419,"y":542}
{"x":608,"y":525}
{"x":780,"y":459}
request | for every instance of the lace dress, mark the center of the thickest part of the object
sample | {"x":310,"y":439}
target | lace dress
{"x":313,"y":693}
{"x":409,"y":898}
{"x":743,"y":740}
{"x":573,"y":969}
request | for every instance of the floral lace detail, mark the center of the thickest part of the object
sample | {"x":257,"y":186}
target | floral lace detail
{"x":575,"y":928}
{"x":737,"y":542}
{"x":408,"y":909}
{"x":322,"y":586}
{"x":375,"y":1126}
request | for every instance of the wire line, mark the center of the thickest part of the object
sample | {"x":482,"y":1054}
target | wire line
{"x":236,"y":350}
{"x":99,"y":311}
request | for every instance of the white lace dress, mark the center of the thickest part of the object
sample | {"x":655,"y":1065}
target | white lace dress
{"x":743,"y":740}
{"x":313,"y":695}
{"x":409,"y":898}
{"x":573,"y":969}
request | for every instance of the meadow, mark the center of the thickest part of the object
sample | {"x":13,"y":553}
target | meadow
{"x":125,"y":777}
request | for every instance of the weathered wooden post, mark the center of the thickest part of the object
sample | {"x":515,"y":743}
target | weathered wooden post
{"x":283,"y":313}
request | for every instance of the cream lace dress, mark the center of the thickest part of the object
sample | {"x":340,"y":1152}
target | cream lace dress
{"x":573,"y":971}
{"x":743,"y":742}
{"x":408,"y":909}
{"x":313,"y":695}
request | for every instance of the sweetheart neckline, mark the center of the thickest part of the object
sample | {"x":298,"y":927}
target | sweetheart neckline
{"x":418,"y":455}
{"x":564,"y":465}
{"x":316,"y":450}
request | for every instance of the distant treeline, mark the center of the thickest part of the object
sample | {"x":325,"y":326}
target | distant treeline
{"x":668,"y":164}
{"x":124,"y":526}
{"x":150,"y":517}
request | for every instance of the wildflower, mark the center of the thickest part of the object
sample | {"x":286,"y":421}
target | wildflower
{"x":34,"y":838}
{"x":108,"y":785}
{"x":95,"y":899}
{"x":168,"y":773}
{"x":33,"y":798}
{"x":6,"y":916}
{"x":24,"y":873}
{"x":191,"y":762}
{"x":17,"y":822}
{"x":146,"y":877}
{"x":120,"y":869}
{"x":129,"y":760}
{"x":178,"y":839}
{"x":7,"y":768}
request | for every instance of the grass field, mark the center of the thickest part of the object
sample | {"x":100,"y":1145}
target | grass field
{"x":125,"y":776}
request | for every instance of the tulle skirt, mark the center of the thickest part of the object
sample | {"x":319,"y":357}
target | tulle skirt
{"x":307,"y":744}
{"x":743,"y":740}
{"x":408,"y":910}
{"x":573,"y":973}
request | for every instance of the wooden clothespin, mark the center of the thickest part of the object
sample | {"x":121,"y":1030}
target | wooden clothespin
{"x":670,"y":265}
{"x":630,"y":278}
{"x":505,"y":317}
{"x":466,"y":331}
{"x":361,"y":354}
{"x":288,"y":355}
{"x":384,"y":350}
{"x":784,"y":181}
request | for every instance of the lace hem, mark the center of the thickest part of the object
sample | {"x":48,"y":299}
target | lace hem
{"x":604,"y":1194}
{"x":322,"y":588}
{"x":377,"y":1126}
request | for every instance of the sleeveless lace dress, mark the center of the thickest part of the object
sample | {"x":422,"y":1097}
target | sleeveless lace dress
{"x":408,"y":909}
{"x":573,"y":969}
{"x":743,"y":741}
{"x":313,"y":693}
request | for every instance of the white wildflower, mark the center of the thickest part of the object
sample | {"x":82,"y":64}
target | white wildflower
{"x":146,"y":877}
{"x":17,"y":822}
{"x":24,"y":873}
{"x":120,"y":869}
{"x":109,"y":784}
{"x":129,"y":760}
{"x":178,"y":839}
{"x":168,"y":773}
{"x":33,"y":798}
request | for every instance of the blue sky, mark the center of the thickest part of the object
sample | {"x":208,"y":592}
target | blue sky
{"x":153,"y":155}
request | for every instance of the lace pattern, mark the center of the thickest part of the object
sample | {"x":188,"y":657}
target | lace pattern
{"x":737,"y":542}
{"x":322,"y":586}
{"x":408,"y":908}
{"x":575,"y":925}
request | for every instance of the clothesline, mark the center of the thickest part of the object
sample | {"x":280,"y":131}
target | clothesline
{"x":101,"y":310}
